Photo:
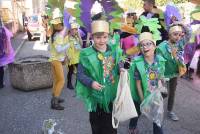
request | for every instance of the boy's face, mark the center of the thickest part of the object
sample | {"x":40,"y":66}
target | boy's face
{"x":100,"y":39}
{"x":58,"y":27}
{"x":147,"y":6}
{"x":174,"y":37}
{"x":147,"y":48}
{"x":74,"y":31}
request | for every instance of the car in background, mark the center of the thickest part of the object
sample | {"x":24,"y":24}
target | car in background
{"x":33,"y":27}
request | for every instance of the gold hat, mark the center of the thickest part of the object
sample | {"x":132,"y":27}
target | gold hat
{"x":146,"y":36}
{"x":175,"y":28}
{"x":57,"y":17}
{"x":57,"y":13}
{"x":100,"y":26}
{"x":56,"y":21}
{"x":74,"y":25}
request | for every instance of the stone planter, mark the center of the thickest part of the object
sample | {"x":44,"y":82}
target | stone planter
{"x":31,"y":73}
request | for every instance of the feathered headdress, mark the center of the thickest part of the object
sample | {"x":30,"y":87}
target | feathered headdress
{"x":82,"y":12}
{"x":171,"y":11}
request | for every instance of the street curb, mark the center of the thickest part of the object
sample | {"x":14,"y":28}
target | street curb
{"x":19,"y":47}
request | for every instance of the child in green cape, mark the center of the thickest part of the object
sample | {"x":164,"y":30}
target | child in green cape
{"x":146,"y":73}
{"x":97,"y":78}
{"x":172,"y":50}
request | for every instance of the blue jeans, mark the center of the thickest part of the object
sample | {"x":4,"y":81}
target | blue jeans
{"x":133,"y":121}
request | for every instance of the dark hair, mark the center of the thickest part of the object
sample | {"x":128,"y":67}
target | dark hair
{"x":198,"y":68}
{"x":53,"y":33}
{"x":150,"y":1}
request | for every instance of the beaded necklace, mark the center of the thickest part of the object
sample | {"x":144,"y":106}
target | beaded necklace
{"x":152,"y":72}
{"x":108,"y":64}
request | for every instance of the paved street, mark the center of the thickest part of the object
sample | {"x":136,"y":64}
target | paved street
{"x":24,"y":112}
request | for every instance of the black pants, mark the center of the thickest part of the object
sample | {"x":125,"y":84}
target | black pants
{"x":101,"y":122}
{"x":1,"y":76}
{"x":134,"y":121}
{"x":71,"y":70}
{"x":171,"y":95}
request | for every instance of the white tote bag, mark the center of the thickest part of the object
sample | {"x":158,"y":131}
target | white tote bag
{"x":123,"y":105}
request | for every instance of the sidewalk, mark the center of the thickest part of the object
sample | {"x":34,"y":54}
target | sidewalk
{"x":18,"y":41}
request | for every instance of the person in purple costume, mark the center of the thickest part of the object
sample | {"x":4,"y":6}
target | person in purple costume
{"x":6,"y":51}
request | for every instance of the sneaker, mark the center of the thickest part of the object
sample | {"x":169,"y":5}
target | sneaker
{"x":190,"y":78}
{"x":57,"y":107}
{"x":55,"y":104}
{"x":70,"y":86}
{"x":173,"y":116}
{"x":60,"y":100}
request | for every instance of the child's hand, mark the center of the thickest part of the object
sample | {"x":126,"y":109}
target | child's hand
{"x":122,"y":70}
{"x":65,"y":61}
{"x":97,"y":86}
{"x":127,"y":63}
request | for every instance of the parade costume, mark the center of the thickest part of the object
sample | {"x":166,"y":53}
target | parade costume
{"x":139,"y":64}
{"x":195,"y":60}
{"x":171,"y":12}
{"x":106,"y":65}
{"x":7,"y":54}
{"x":128,"y":43}
{"x":58,"y":48}
{"x":152,"y":25}
{"x":149,"y":76}
{"x":101,"y":67}
{"x":152,"y":21}
{"x":174,"y":64}
{"x":82,"y":12}
{"x":75,"y":43}
{"x":129,"y":36}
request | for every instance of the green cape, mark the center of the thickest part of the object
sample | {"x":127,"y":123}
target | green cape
{"x":93,"y":69}
{"x":139,"y":64}
{"x":171,"y":64}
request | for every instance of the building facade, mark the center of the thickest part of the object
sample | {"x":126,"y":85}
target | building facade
{"x":12,"y":11}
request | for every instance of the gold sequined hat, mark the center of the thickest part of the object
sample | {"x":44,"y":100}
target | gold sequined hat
{"x":57,"y":17}
{"x":146,"y":36}
{"x":74,"y":25}
{"x":100,"y":26}
{"x":175,"y":28}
